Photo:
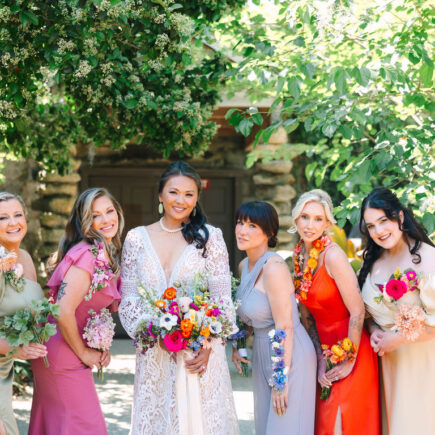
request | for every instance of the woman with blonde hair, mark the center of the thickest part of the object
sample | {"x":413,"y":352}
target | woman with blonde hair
{"x":85,"y":277}
{"x":14,"y":295}
{"x":331,"y":310}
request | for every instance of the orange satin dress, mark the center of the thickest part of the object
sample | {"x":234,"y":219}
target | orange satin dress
{"x":357,"y":395}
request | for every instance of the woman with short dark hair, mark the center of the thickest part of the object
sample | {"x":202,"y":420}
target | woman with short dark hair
{"x":284,"y":360}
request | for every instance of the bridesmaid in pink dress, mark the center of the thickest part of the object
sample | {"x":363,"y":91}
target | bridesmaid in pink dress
{"x":65,"y":400}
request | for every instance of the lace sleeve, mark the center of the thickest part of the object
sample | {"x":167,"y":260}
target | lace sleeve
{"x":218,"y":268}
{"x":131,"y":309}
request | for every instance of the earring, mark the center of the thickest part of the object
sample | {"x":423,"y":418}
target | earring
{"x":160,"y":208}
{"x":194,"y":212}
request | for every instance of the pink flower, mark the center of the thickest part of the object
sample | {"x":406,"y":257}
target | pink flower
{"x":216,"y":312}
{"x":409,"y":321}
{"x":174,"y":342}
{"x":395,"y":288}
{"x":173,"y":308}
{"x":381,"y":287}
{"x":18,"y":268}
{"x":411,"y":275}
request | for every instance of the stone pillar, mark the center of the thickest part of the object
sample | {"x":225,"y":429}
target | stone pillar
{"x":273,"y":183}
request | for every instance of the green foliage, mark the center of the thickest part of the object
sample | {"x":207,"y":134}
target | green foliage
{"x":107,"y":71}
{"x":355,"y":80}
{"x":23,"y":376}
{"x":30,"y":325}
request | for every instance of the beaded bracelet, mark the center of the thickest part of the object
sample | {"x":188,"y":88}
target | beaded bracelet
{"x":279,"y":378}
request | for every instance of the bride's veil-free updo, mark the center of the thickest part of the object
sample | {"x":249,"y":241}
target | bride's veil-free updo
{"x":315,"y":195}
{"x":195,"y":231}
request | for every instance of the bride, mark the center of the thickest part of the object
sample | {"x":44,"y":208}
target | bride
{"x":173,"y":250}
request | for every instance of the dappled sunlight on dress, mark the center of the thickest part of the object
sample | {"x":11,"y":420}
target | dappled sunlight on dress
{"x":409,"y":371}
{"x":356,"y":395}
{"x":65,"y":401}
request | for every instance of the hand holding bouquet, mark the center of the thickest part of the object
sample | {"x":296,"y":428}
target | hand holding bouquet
{"x":183,"y":321}
{"x":30,"y":325}
{"x":344,"y":350}
{"x":99,"y":332}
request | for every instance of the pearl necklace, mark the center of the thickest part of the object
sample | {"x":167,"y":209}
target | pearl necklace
{"x":168,"y":230}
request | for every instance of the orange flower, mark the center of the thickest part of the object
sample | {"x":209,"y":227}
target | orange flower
{"x":338,"y":352}
{"x":160,"y":304}
{"x":297,"y":283}
{"x":303,"y":295}
{"x":205,"y":331}
{"x":308,"y":276}
{"x":170,"y":293}
{"x":318,"y":244}
{"x":312,"y":263}
{"x":314,"y":253}
{"x":325,"y":346}
{"x":186,"y":324}
{"x":209,"y":312}
{"x":347,"y":344}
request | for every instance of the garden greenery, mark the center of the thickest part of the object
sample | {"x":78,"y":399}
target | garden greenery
{"x":107,"y":72}
{"x":353,"y":82}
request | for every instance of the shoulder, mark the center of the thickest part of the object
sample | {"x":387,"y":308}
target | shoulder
{"x":427,"y":254}
{"x":135,"y":236}
{"x":275,"y":268}
{"x":214,"y":234}
{"x":241,"y":265}
{"x":27,"y":261}
{"x":335,"y":256}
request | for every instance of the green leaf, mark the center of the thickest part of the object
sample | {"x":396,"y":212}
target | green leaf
{"x":131,"y":104}
{"x":309,"y":170}
{"x":245,"y":126}
{"x":299,"y":41}
{"x":426,"y":74}
{"x":257,"y":118}
{"x":365,"y":76}
{"x":308,"y":69}
{"x":329,"y":129}
{"x":429,"y":222}
{"x":230,"y":112}
{"x":346,"y":131}
{"x":290,"y":125}
{"x":294,"y":87}
{"x":340,"y":80}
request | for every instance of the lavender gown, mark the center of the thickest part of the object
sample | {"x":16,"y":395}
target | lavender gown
{"x":65,"y":400}
{"x":256,"y":312}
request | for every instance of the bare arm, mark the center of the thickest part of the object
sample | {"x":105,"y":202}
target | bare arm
{"x":279,"y":288}
{"x":72,"y":290}
{"x":309,"y":323}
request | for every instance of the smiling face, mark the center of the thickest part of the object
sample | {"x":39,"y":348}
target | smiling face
{"x":105,"y":219}
{"x":250,"y":236}
{"x":179,"y":196}
{"x":312,"y":222}
{"x":384,"y":231}
{"x":13,"y":225}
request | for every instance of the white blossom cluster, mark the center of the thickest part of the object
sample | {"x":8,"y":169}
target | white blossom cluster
{"x":162,"y":41}
{"x":8,"y":110}
{"x":65,"y":46}
{"x":83,"y":69}
{"x":5,"y":13}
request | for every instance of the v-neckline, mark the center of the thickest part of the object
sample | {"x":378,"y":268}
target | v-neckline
{"x":157,"y":259}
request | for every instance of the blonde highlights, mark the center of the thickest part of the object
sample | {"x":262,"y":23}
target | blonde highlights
{"x":316,"y":195}
{"x":7,"y":196}
{"x":79,"y":228}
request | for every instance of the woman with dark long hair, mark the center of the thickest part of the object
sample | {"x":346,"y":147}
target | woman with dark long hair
{"x":398,"y":287}
{"x":174,"y":249}
{"x":85,"y":277}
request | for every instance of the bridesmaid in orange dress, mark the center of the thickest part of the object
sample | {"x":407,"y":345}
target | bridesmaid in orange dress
{"x":332,"y":309}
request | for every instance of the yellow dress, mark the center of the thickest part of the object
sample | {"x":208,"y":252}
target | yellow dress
{"x":10,"y":302}
{"x":409,"y":371}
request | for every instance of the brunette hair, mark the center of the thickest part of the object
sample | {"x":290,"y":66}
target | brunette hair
{"x":79,"y":228}
{"x":384,"y":199}
{"x":264,"y":215}
{"x":195,"y":231}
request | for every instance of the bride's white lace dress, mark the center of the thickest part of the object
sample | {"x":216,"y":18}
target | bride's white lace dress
{"x":155,"y":406}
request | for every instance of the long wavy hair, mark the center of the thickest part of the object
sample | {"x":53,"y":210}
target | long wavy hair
{"x":413,"y":231}
{"x":195,"y":231}
{"x":79,"y":228}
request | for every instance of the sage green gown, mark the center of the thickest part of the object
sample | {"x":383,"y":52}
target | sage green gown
{"x":10,"y":302}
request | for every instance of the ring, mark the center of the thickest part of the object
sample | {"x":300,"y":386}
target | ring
{"x":336,"y":379}
{"x":203,"y":367}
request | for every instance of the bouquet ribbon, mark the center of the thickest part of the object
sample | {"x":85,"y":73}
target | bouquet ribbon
{"x":188,"y":398}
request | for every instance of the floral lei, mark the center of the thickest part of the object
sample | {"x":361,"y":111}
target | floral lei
{"x":102,"y":271}
{"x":304,"y":280}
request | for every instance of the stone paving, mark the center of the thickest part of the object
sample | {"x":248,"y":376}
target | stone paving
{"x":116,"y":394}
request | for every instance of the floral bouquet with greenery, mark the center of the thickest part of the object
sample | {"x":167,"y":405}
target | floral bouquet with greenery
{"x":11,"y":270}
{"x":30,"y":325}
{"x":99,"y":332}
{"x":184,"y":316}
{"x":344,"y":350}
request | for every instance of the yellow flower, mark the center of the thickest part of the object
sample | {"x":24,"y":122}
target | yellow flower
{"x":347,"y":344}
{"x":314,"y":253}
{"x":397,"y":274}
{"x":205,"y":331}
{"x":338,"y":351}
{"x":312,"y":263}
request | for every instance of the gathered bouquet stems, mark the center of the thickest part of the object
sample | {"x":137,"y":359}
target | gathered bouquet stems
{"x":41,"y":341}
{"x":326,"y":391}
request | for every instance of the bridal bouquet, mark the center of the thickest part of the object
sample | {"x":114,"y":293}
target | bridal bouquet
{"x":30,"y":325}
{"x":397,"y":286}
{"x":344,"y":350}
{"x":184,"y":316}
{"x":12,"y":271}
{"x":99,"y":332}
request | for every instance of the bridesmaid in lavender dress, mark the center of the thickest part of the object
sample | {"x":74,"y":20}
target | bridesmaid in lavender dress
{"x":65,"y":400}
{"x":268,"y":301}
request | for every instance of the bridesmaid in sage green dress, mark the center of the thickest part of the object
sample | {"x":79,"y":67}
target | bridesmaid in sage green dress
{"x":268,"y":302}
{"x":13,"y":228}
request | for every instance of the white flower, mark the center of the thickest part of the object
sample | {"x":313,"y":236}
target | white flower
{"x":285,"y":370}
{"x":276,"y":359}
{"x":168,"y":321}
{"x":216,"y":327}
{"x":191,"y":315}
{"x":271,"y":333}
{"x":184,"y":303}
{"x":275,"y":345}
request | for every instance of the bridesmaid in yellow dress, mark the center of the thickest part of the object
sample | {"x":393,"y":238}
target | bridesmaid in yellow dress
{"x":13,"y":228}
{"x":396,"y":240}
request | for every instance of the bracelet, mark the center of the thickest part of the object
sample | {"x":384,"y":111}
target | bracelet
{"x":279,"y":378}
